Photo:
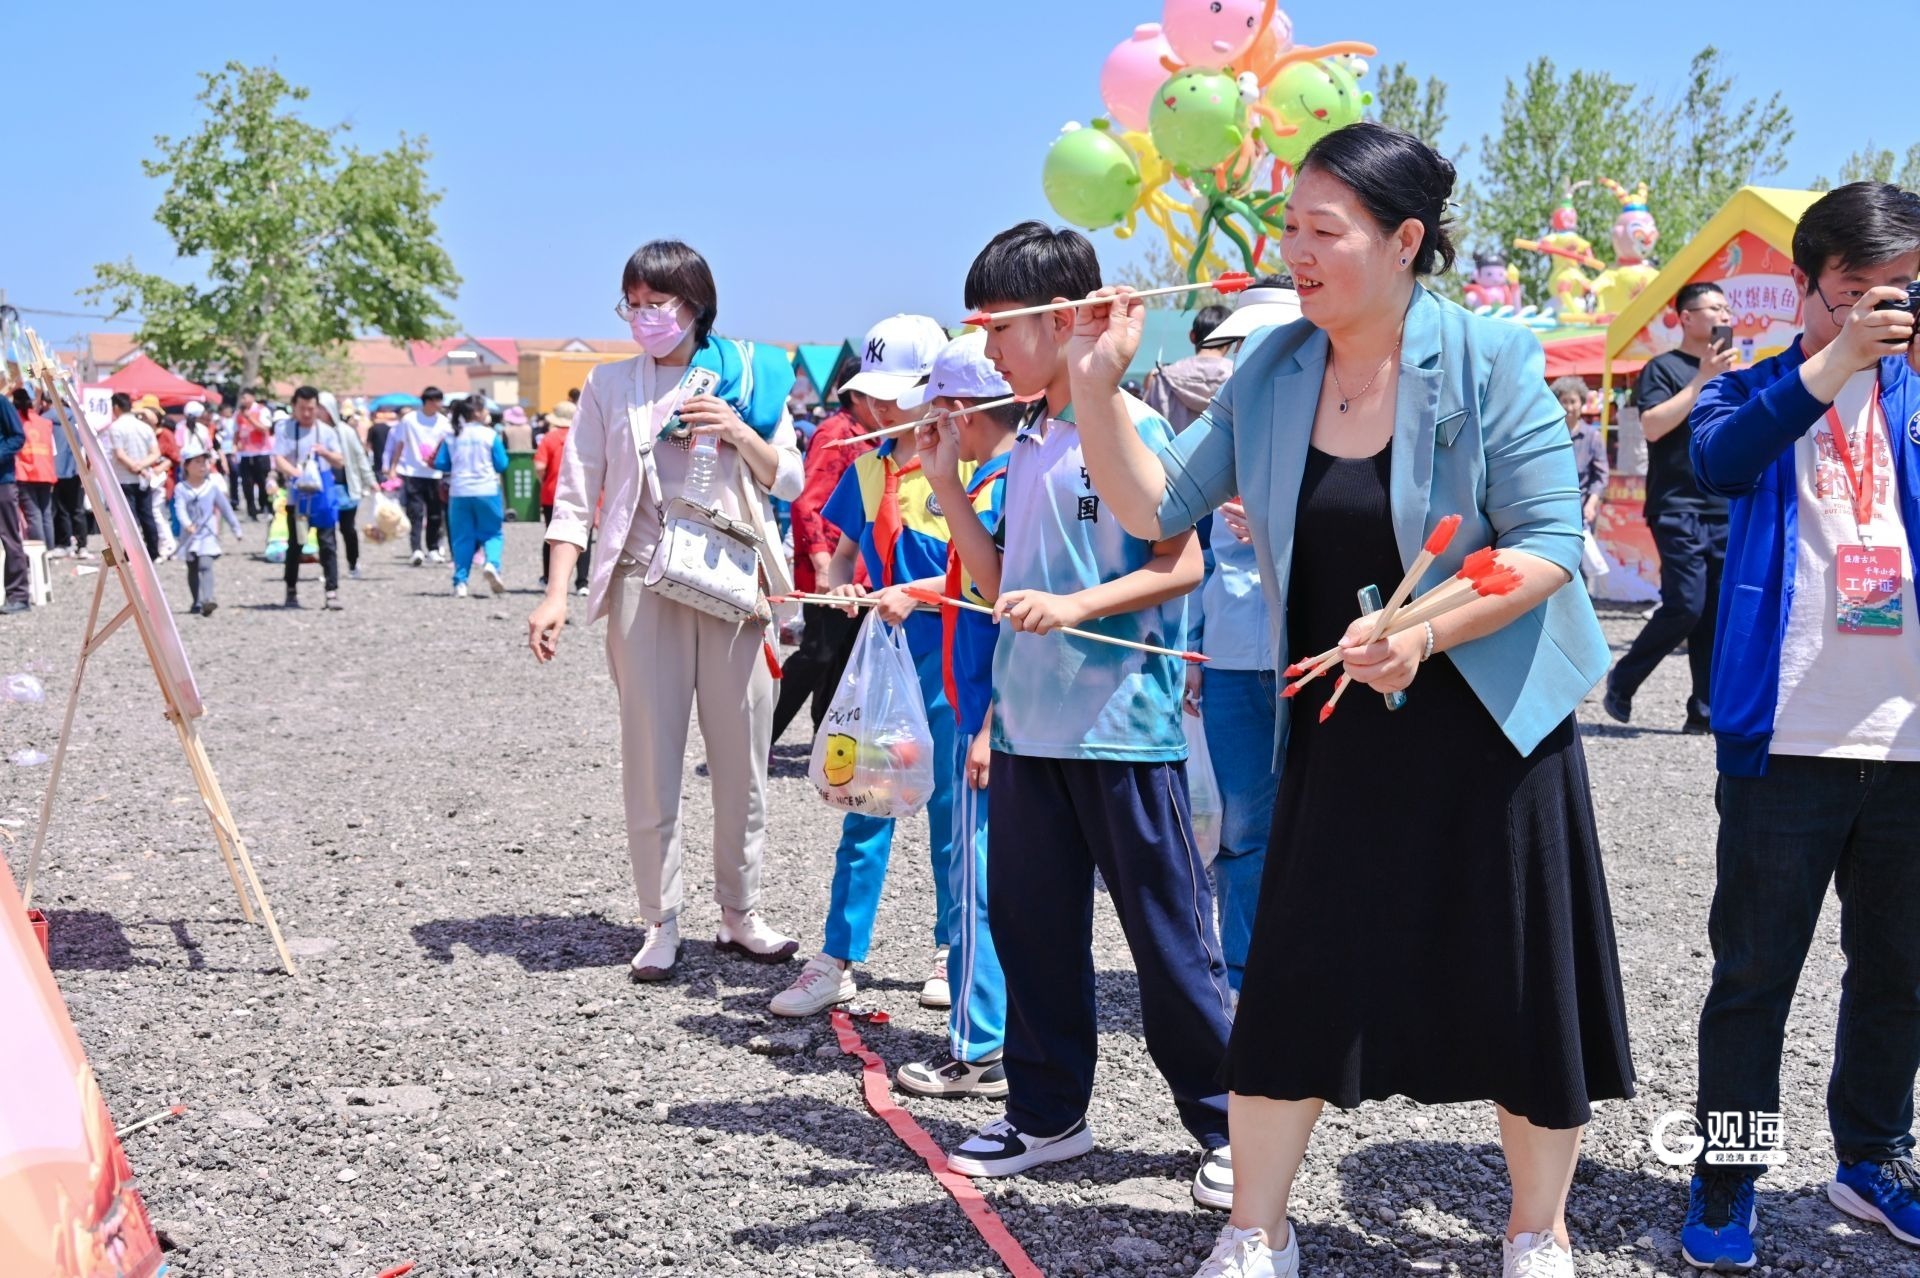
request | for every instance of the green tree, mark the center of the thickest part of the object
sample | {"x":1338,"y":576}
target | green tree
{"x":1401,"y":101}
{"x":1872,"y":165}
{"x":303,"y":243}
{"x":1693,"y":153}
{"x":1704,"y":147}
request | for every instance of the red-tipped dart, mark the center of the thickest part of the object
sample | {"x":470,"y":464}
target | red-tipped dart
{"x":1230,"y":282}
{"x":1478,"y":564}
{"x":1443,"y":535}
{"x":920,"y":594}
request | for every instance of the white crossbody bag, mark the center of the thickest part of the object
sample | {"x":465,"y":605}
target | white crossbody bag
{"x":706,"y":559}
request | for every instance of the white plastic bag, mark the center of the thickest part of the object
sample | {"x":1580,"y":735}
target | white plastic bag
{"x":874,"y":751}
{"x":1592,"y":561}
{"x":1203,"y":789}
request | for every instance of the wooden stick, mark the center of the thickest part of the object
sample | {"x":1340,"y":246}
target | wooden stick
{"x":66,"y":734}
{"x":1436,"y":545}
{"x":904,"y":427}
{"x":838,"y":601}
{"x":1192,"y":658}
{"x":1229,"y":282}
{"x":197,"y":753}
{"x":220,"y":836}
{"x":172,"y":1111}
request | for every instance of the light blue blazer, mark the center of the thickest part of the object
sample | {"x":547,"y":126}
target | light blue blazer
{"x":1475,"y":433}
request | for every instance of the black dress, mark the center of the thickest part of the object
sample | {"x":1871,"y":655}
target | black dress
{"x":1433,"y":917}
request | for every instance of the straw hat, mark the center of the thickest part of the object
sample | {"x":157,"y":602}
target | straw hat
{"x":562,"y":413}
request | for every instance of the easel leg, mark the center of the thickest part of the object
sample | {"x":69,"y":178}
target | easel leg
{"x":226,"y":832}
{"x":223,"y":838}
{"x":66,"y":731}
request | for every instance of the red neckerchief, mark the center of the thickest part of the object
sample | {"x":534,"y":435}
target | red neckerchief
{"x":888,"y":522}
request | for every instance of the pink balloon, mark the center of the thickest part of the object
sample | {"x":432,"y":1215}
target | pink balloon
{"x":1211,"y":33}
{"x":1132,"y":74}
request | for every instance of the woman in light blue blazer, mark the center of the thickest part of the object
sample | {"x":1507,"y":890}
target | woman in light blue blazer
{"x":1433,"y":920}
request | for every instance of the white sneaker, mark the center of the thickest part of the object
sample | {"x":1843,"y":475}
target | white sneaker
{"x":492,"y":575}
{"x":417,"y":558}
{"x":1213,"y":1183}
{"x":1001,"y":1149}
{"x":754,"y":941}
{"x":1535,"y":1256}
{"x":460,"y":590}
{"x":936,"y":993}
{"x":656,"y":958}
{"x":353,"y":574}
{"x":435,"y":557}
{"x":582,"y":592}
{"x":822,"y":983}
{"x":944,"y":1075}
{"x":1244,"y":1253}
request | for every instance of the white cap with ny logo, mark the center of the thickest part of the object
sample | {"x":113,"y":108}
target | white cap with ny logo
{"x":897,"y":354}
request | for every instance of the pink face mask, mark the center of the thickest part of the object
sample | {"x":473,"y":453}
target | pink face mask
{"x":657,"y":331}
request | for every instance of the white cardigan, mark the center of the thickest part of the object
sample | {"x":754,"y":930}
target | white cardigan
{"x":600,"y":469}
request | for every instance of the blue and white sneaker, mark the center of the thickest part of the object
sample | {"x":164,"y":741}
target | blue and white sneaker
{"x":1887,"y":1193}
{"x":1720,"y":1221}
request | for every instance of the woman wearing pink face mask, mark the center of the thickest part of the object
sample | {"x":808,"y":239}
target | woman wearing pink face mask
{"x":667,"y":658}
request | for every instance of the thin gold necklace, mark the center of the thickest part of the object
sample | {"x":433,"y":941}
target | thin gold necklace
{"x":1334,"y":368}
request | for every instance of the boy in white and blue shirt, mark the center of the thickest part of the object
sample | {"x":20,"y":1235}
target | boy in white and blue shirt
{"x":1088,"y":766}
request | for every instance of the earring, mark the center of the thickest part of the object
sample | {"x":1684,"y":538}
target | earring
{"x":1403,"y":261}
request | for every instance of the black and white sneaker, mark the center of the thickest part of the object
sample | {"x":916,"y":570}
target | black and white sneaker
{"x":946,"y":1076}
{"x":1213,"y":1183}
{"x":1001,"y":1149}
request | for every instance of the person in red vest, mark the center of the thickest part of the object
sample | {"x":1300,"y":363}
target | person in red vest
{"x":33,"y":470}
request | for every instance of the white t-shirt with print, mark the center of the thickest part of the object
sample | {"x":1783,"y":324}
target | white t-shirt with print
{"x":1847,"y":696}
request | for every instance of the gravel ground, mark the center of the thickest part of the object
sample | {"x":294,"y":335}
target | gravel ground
{"x":464,"y":1076}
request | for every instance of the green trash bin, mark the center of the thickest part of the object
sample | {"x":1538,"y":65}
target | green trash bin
{"x":522,"y":488}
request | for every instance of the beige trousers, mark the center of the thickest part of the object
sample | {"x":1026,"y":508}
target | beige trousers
{"x":667,"y":659}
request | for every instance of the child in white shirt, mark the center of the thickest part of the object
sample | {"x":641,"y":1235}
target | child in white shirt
{"x":199,"y":503}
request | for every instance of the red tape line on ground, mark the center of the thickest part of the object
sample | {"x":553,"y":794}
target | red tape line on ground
{"x":879,"y":1094}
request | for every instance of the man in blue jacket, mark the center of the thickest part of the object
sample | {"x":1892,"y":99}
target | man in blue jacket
{"x":1816,"y":711}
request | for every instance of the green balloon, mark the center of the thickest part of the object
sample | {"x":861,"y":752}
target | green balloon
{"x":1090,"y":179}
{"x":1197,"y":119}
{"x":1315,"y":98}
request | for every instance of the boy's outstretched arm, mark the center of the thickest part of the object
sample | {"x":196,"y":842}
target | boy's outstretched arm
{"x":1175,"y":569}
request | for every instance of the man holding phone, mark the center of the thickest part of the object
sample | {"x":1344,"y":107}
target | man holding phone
{"x":1689,"y":526}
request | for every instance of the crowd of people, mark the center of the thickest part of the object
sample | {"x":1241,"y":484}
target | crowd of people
{"x":313,"y":469}
{"x":1466,"y":955}
{"x":1241,"y":509}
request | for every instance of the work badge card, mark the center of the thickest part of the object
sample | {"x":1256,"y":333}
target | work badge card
{"x":1869,"y":578}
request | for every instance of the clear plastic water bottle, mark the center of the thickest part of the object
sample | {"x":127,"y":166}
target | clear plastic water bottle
{"x":702,"y":467}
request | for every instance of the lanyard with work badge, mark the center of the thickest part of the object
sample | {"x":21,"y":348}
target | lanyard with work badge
{"x":1866,"y":577}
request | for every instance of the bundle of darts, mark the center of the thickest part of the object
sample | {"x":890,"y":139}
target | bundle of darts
{"x":1482,"y":576}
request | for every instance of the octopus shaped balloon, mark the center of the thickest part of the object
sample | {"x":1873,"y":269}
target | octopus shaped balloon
{"x":1198,"y":119}
{"x":1310,"y":100}
{"x":1133,"y":73}
{"x":1089,"y":178}
{"x":1212,"y":33}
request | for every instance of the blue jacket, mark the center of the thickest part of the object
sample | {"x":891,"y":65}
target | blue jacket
{"x":1744,"y":428}
{"x":1475,"y":433}
{"x":13,"y":437}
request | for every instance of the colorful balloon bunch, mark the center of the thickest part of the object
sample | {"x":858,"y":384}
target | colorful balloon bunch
{"x":1212,"y":110}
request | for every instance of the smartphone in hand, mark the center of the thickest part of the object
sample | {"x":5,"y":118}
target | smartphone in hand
{"x":700,"y":381}
{"x":1722,"y":338}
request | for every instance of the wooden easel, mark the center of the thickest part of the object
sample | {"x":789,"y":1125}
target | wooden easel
{"x":58,"y":389}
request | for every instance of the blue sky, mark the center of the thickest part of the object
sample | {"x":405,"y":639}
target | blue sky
{"x":835,"y":161}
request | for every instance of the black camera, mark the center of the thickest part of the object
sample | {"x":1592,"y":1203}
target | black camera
{"x":1911,"y":306}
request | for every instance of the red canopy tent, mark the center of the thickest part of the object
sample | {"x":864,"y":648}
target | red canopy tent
{"x":144,"y":377}
{"x":1582,"y":354}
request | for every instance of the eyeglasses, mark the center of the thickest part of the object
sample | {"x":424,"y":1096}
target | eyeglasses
{"x":1711,"y":308}
{"x":626,"y":310}
{"x":1848,"y":300}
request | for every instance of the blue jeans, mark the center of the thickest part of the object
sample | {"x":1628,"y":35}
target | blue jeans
{"x":978,"y":1023}
{"x":1783,"y":838}
{"x":866,"y":842}
{"x":1237,"y":711}
{"x":472,"y":522}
